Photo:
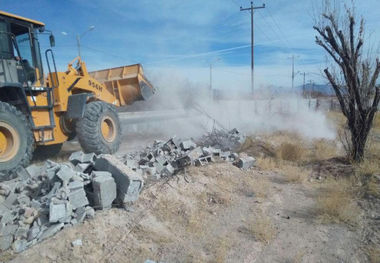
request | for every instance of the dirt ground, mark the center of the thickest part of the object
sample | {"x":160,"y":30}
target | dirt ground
{"x":215,"y":213}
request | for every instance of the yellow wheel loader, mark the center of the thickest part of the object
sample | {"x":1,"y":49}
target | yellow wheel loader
{"x":40,"y":112}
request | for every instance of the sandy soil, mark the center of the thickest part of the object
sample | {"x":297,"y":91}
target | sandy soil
{"x":216,"y":213}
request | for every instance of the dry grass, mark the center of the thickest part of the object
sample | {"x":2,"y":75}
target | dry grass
{"x":337,"y":203}
{"x":212,"y":199}
{"x":374,"y":254}
{"x":295,"y":174}
{"x":324,"y":149}
{"x":267,"y":164}
{"x":259,"y":185}
{"x":261,"y":227}
{"x":368,"y":168}
{"x":290,"y":152}
{"x":365,"y":174}
{"x":219,"y":248}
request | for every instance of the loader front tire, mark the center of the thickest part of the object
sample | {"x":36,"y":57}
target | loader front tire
{"x":16,"y":140}
{"x":99,"y":130}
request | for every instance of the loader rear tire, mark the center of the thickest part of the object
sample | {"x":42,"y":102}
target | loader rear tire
{"x":99,"y":130}
{"x":16,"y":140}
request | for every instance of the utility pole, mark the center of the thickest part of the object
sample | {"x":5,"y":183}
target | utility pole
{"x":79,"y":36}
{"x":304,"y":84}
{"x":251,"y":9}
{"x":293,"y":73}
{"x":211,"y":64}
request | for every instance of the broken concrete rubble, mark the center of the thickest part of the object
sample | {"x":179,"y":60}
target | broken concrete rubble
{"x":104,"y":190}
{"x":128,"y":182}
{"x":245,"y":163}
{"x":45,"y":199}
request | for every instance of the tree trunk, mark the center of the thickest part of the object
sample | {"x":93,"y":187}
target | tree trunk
{"x":358,"y":146}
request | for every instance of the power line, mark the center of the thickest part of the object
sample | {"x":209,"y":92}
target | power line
{"x":283,"y":36}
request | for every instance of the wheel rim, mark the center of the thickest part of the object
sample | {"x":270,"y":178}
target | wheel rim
{"x":108,"y":129}
{"x":9,"y":142}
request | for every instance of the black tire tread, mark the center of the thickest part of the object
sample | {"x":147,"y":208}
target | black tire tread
{"x":27,"y":157}
{"x":88,"y":132}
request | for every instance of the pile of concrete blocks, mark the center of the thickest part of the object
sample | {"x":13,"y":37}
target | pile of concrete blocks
{"x":166,"y":158}
{"x":45,"y":199}
{"x":42,"y":200}
{"x":223,"y":139}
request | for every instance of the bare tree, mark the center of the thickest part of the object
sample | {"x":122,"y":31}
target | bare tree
{"x":354,"y":81}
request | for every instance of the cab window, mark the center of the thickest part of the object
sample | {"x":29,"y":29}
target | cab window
{"x":5,"y":42}
{"x":22,"y":37}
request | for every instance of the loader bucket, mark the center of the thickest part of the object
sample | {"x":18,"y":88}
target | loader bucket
{"x":128,"y":83}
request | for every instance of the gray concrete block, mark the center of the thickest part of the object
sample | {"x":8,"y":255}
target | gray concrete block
{"x":203,"y":161}
{"x":80,"y":214}
{"x":35,"y":204}
{"x":75,"y":185}
{"x":161,"y":160}
{"x":35,"y":170}
{"x":7,"y":215}
{"x":22,"y":232}
{"x":188,"y":144}
{"x":9,"y":229}
{"x":5,"y":242}
{"x":195,"y":154}
{"x":100,"y":173}
{"x":10,"y":201}
{"x":128,"y":182}
{"x":23,"y":200}
{"x":82,"y":167}
{"x":90,"y":212}
{"x":80,"y":157}
{"x":132,"y":163}
{"x":50,"y":231}
{"x":104,"y":191}
{"x":59,"y":212}
{"x":33,"y":233}
{"x":89,"y":158}
{"x":245,"y":162}
{"x":19,"y":245}
{"x":168,"y":170}
{"x":78,"y":198}
{"x":65,"y":173}
{"x":225,"y":155}
{"x":77,"y":243}
{"x":76,"y":157}
{"x":4,"y":190}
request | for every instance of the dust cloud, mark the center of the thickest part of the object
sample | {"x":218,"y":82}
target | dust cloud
{"x":228,"y":109}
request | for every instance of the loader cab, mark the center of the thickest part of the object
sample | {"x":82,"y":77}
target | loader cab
{"x":20,"y":56}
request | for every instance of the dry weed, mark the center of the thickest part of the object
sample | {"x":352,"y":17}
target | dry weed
{"x":337,"y":203}
{"x":324,"y":149}
{"x":290,"y":152}
{"x":376,"y":121}
{"x":294,"y":174}
{"x":368,"y":168}
{"x":219,"y":248}
{"x":197,"y":223}
{"x":374,"y":254}
{"x":170,"y":210}
{"x":215,"y":198}
{"x":261,"y":227}
{"x":267,"y":164}
{"x":366,"y":174}
{"x":259,"y":185}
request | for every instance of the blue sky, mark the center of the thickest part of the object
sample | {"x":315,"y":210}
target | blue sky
{"x":186,"y":36}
